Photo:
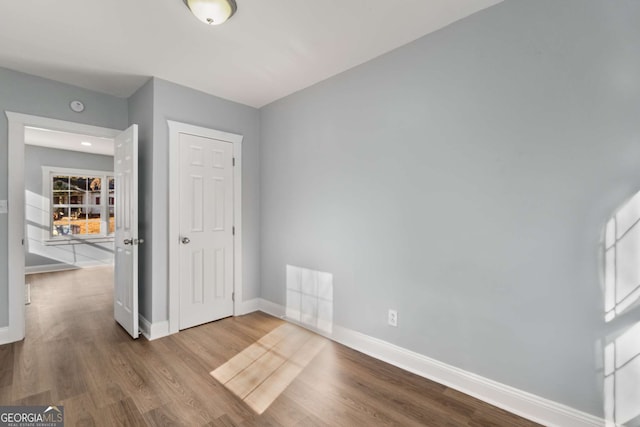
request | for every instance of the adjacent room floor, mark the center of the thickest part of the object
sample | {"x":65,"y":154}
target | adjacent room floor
{"x":77,"y":356}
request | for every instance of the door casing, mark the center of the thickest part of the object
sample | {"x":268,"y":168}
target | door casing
{"x":17,"y":122}
{"x":175,"y":129}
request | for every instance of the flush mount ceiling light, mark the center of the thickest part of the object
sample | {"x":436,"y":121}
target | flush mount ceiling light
{"x":212,"y":12}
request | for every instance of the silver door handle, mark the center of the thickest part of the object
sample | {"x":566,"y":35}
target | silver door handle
{"x":186,"y":240}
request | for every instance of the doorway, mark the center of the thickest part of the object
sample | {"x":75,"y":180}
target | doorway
{"x":70,"y":200}
{"x":17,"y":126}
{"x":69,"y":225}
{"x":205,"y":233}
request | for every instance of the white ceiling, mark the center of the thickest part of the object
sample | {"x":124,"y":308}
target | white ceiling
{"x":267,"y":50}
{"x":68,"y":141}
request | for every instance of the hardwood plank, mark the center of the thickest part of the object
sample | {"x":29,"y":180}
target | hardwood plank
{"x":66,"y":369}
{"x":43,"y":398}
{"x":263,"y":396}
{"x":76,"y":355}
{"x":81,"y":410}
{"x":255,"y":351}
{"x":239,"y":363}
{"x":247,"y":380}
{"x":31,"y":373}
{"x":6,"y":365}
{"x":219,"y":401}
{"x":265,"y":365}
{"x":122,"y":413}
{"x":6,"y":397}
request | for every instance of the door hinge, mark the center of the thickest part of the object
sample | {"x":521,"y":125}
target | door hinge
{"x":233,"y":296}
{"x":233,"y":161}
{"x":233,"y":231}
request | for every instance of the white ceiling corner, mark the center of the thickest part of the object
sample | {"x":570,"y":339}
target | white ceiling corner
{"x":266,"y":51}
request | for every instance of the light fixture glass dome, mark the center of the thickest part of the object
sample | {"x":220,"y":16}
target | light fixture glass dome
{"x":212,"y":12}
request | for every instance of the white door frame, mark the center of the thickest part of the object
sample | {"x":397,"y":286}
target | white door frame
{"x":16,"y":215}
{"x":175,"y":129}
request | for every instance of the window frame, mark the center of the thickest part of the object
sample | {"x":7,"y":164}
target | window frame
{"x":48,"y":172}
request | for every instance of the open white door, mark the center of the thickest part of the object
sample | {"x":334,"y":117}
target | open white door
{"x":125,"y":292}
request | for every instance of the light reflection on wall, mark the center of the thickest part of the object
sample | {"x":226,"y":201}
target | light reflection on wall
{"x":310,"y":298}
{"x":622,"y":301}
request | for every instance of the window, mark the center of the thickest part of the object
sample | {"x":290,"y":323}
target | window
{"x":82,"y":203}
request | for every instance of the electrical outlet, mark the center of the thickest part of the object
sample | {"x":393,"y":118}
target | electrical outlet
{"x":393,"y":318}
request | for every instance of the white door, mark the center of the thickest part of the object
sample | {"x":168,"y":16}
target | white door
{"x":125,"y":292}
{"x":206,"y":230}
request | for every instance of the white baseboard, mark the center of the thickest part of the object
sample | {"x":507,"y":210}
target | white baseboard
{"x":51,"y":268}
{"x":249,"y":306}
{"x":4,"y":335}
{"x":524,"y":404}
{"x":276,"y":310}
{"x":153,"y":331}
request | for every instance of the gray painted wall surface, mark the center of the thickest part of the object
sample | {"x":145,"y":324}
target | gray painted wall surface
{"x":141,"y":113}
{"x":23,"y":93}
{"x":178,"y":103}
{"x":38,"y":254}
{"x":465,"y":180}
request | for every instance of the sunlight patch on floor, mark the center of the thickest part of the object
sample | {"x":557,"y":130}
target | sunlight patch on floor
{"x":262,"y":371}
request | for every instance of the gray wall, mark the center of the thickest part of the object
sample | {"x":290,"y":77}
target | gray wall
{"x":141,"y":113}
{"x":465,"y":180}
{"x":27,"y":94}
{"x":174,"y":102}
{"x":37,"y":253}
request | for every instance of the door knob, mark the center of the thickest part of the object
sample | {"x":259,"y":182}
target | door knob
{"x":128,"y":241}
{"x":186,"y":240}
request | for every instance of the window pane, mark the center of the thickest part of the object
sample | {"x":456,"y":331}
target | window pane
{"x":78,"y":219}
{"x":60,"y":183}
{"x":95,"y":189}
{"x":93,"y":225}
{"x":61,"y":224}
{"x":112,"y":224}
{"x":76,"y":198}
{"x":112,"y":191}
{"x":93,"y":219}
{"x":78,"y":205}
{"x":78,"y":183}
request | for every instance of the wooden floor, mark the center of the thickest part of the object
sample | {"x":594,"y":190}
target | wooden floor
{"x":77,"y":356}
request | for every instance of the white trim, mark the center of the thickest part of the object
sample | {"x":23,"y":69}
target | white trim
{"x":4,"y":335}
{"x":524,"y":404}
{"x":175,"y":129}
{"x":16,"y":123}
{"x":52,"y":268}
{"x":249,"y":306}
{"x":153,"y":331}
{"x":49,"y":268}
{"x":276,"y":310}
{"x":77,"y":240}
